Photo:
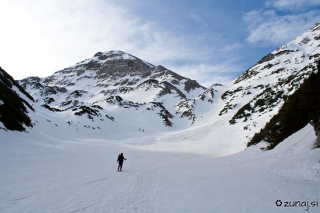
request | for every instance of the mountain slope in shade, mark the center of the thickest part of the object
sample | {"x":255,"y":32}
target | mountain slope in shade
{"x":299,"y":109}
{"x":14,"y":104}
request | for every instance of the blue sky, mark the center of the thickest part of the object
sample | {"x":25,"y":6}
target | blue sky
{"x":209,"y":41}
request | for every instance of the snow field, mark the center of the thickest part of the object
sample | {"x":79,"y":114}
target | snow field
{"x":40,"y":173}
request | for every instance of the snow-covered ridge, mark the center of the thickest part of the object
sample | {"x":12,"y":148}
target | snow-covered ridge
{"x":259,"y":92}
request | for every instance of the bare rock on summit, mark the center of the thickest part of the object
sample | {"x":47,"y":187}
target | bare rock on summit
{"x":121,"y":68}
{"x":98,"y":54}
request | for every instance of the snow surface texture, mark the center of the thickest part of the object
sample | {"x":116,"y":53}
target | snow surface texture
{"x":44,"y":174}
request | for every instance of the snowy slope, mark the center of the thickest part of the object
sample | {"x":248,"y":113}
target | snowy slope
{"x":275,"y":76}
{"x":257,"y":95}
{"x":43,"y":174}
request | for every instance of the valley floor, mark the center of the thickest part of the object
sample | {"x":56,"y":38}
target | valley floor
{"x":80,"y":176}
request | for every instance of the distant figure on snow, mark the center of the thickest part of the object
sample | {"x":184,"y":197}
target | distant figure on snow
{"x":120,"y":160}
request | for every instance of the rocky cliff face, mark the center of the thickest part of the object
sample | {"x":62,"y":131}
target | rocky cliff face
{"x":15,"y":104}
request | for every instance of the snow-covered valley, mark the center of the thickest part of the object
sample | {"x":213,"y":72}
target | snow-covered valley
{"x":40,"y":173}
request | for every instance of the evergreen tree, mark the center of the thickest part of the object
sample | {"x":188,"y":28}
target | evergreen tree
{"x":299,"y":109}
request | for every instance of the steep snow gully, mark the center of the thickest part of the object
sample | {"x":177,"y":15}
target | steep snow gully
{"x":42,"y":174}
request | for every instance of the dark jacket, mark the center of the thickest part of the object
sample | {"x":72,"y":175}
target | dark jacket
{"x":121,"y":158}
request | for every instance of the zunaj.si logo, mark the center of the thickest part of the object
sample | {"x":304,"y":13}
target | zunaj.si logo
{"x":306,"y":204}
{"x":278,"y":203}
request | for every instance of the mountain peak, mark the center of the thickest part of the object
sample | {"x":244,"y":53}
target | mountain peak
{"x":103,"y":57}
{"x":113,"y":54}
{"x":116,"y":68}
{"x":119,"y":52}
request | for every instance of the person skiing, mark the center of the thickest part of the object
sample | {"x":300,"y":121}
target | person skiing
{"x":120,"y":160}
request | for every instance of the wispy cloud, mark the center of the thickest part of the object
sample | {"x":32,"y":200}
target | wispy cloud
{"x":292,"y":4}
{"x":68,"y":31}
{"x":269,"y":26}
{"x":203,"y":41}
{"x":210,"y":74}
{"x":45,"y":36}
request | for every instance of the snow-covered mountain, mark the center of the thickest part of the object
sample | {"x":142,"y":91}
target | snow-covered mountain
{"x":115,"y":90}
{"x":259,"y":92}
{"x":114,"y":85}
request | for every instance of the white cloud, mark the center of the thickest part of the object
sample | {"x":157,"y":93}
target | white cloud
{"x":267,"y":27}
{"x":292,"y":4}
{"x":44,"y":36}
{"x":40,"y":37}
{"x":208,"y":74}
